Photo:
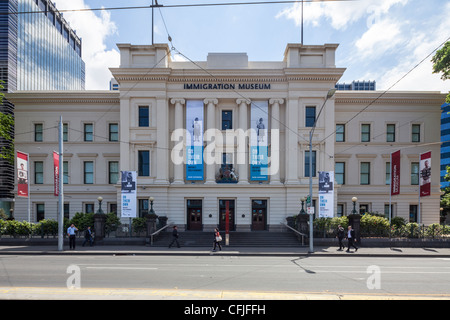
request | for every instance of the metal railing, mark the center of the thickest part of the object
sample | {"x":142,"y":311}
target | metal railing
{"x":296,"y":231}
{"x":154,"y":234}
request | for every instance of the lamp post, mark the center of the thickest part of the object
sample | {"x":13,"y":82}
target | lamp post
{"x":354,"y":199}
{"x":303,"y":199}
{"x":151,"y":211}
{"x":330,"y":93}
{"x":100,"y":211}
{"x":99,"y":222}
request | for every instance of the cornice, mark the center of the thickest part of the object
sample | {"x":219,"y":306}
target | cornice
{"x":65,"y":97}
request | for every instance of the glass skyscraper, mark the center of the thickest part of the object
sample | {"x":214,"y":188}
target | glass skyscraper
{"x":38,"y":51}
{"x":445,"y":143}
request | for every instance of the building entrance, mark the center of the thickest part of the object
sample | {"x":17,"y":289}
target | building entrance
{"x":259,"y":214}
{"x":222,"y":214}
{"x":194,"y":214}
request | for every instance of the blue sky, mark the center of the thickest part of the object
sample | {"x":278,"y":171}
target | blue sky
{"x":378,"y":39}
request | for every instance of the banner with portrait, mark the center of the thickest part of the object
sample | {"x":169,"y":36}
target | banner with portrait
{"x":259,"y":125}
{"x":425,"y":174}
{"x":22,"y":174}
{"x":194,"y":140}
{"x":128,"y":194}
{"x":326,"y":194}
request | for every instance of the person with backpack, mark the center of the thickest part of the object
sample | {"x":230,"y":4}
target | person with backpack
{"x":217,"y":239}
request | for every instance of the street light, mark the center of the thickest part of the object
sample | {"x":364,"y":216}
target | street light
{"x":303,"y":199}
{"x":100,"y":211}
{"x":354,"y":199}
{"x":151,"y":212}
{"x":330,"y":93}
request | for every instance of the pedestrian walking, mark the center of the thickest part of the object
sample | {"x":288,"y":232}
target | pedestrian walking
{"x":88,"y":237}
{"x":340,"y":235}
{"x":71,"y":233}
{"x":351,"y":239}
{"x":217,"y":239}
{"x":174,"y":237}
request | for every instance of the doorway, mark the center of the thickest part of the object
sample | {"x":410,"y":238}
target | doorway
{"x":194,"y":214}
{"x":259,"y":215}
{"x":222,"y":214}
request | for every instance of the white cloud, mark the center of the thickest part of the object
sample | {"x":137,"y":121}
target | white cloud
{"x":340,"y":14}
{"x":93,"y":27}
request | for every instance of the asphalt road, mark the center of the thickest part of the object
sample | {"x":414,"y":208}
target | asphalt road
{"x":222,"y":277}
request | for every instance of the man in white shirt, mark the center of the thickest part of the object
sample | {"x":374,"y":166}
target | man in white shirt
{"x":351,"y":238}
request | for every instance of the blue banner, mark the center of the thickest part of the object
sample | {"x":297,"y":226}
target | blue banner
{"x":194,"y":140}
{"x":259,"y":141}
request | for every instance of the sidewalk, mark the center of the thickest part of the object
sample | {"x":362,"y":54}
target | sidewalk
{"x":226,"y":251}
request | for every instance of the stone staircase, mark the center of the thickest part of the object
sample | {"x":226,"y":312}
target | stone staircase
{"x":237,"y":239}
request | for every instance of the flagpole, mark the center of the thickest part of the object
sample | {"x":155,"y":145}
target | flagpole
{"x":60,"y":194}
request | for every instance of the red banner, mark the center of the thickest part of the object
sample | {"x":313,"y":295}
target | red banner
{"x":56,"y":171}
{"x":395,"y":173}
{"x":425,"y":174}
{"x":22,"y":174}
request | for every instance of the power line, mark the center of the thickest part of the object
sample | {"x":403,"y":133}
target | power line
{"x":177,"y":6}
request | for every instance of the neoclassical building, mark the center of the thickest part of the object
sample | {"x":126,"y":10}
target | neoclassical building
{"x":229,"y":133}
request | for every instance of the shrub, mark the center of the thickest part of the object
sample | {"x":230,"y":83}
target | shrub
{"x":82,"y":220}
{"x":374,"y":225}
{"x":139,"y":225}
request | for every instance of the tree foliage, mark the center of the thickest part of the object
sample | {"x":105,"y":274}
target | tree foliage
{"x":441,"y":64}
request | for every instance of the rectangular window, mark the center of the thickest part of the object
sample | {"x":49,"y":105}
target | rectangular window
{"x":365,"y":133}
{"x":390,"y":133}
{"x":113,"y":132}
{"x":113,"y":175}
{"x":66,"y":172}
{"x":144,"y":119}
{"x":143,"y":207}
{"x":88,"y":208}
{"x":144,"y":163}
{"x":310,"y":116}
{"x":227,"y":119}
{"x":38,"y":172}
{"x":307,"y":163}
{"x":340,"y":133}
{"x":413,"y":209}
{"x":38,"y":132}
{"x":66,"y":211}
{"x":88,"y":132}
{"x":88,"y":172}
{"x":65,"y":132}
{"x":414,"y":173}
{"x":388,"y":173}
{"x":415,"y":133}
{"x":40,"y":211}
{"x":340,"y":210}
{"x":339,"y":172}
{"x":365,"y":173}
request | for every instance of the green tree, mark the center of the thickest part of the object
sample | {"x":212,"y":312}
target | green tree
{"x":441,"y":64}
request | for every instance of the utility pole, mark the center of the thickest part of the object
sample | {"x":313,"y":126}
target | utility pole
{"x":61,"y":195}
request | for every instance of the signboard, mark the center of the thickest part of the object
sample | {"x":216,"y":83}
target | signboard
{"x":326,"y":194}
{"x":22,"y":174}
{"x":194,"y":140}
{"x":259,"y":140}
{"x":128,"y":194}
{"x":425,"y":174}
{"x":395,"y":173}
{"x":56,"y":173}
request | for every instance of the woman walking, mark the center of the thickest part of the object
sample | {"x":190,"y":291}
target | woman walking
{"x":217,"y":239}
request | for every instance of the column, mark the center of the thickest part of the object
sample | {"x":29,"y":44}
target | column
{"x":178,"y":167}
{"x":125,"y":152}
{"x":162,"y":141}
{"x":292,"y":106}
{"x":242,"y":152}
{"x":210,"y":138}
{"x":274,"y":167}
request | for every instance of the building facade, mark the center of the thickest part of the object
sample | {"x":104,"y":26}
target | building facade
{"x":229,"y":133}
{"x":38,"y":51}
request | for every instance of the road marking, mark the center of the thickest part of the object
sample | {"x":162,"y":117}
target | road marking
{"x":122,"y":268}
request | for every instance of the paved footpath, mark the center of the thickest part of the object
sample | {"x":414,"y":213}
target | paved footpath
{"x":227,"y":251}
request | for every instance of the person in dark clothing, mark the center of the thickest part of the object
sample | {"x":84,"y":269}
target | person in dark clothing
{"x":340,"y":235}
{"x":217,"y":239}
{"x":88,"y":237}
{"x":351,"y":239}
{"x":174,"y":237}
